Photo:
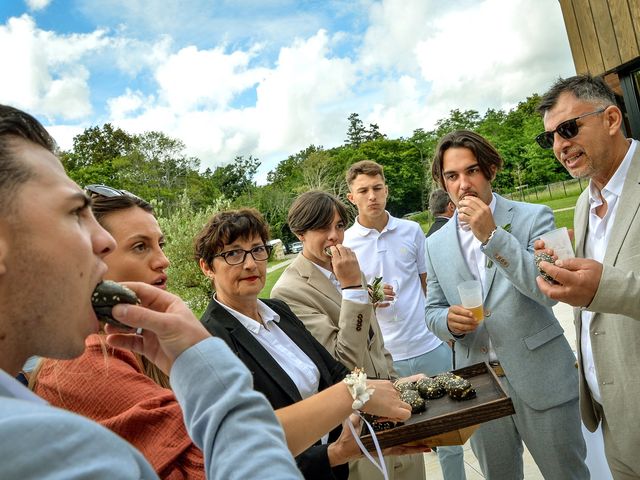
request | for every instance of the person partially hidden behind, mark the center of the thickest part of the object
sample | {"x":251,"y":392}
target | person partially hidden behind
{"x":584,"y":127}
{"x":442,"y":209}
{"x":490,"y":239}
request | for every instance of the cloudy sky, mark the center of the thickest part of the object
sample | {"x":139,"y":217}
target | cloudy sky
{"x":270,"y":77}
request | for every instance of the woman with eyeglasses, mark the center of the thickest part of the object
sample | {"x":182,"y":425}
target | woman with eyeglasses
{"x":287,"y":362}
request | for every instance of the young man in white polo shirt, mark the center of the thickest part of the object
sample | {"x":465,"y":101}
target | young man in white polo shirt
{"x":393,"y":248}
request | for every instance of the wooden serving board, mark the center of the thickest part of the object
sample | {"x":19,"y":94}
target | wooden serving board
{"x":447,"y":421}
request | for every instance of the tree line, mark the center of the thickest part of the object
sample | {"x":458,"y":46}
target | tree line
{"x":156,"y":166}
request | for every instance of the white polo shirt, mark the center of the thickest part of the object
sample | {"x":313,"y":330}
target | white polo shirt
{"x":398,"y":252}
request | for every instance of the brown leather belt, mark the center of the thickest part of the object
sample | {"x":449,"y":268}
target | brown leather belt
{"x":497,"y":368}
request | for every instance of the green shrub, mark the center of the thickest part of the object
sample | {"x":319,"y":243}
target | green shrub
{"x":180,"y":228}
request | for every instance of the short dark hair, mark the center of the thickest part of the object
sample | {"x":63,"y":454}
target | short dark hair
{"x":16,"y":124}
{"x":314,"y":210}
{"x":364,"y":167}
{"x":226,"y":227}
{"x":583,"y":87}
{"x":438,"y":201}
{"x":103,"y":206}
{"x":485,"y":153}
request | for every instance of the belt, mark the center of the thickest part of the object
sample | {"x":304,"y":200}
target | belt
{"x":497,"y":368}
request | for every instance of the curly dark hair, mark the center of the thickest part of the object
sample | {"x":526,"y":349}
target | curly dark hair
{"x":226,"y":227}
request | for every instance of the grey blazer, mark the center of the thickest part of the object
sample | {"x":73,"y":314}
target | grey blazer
{"x":525,"y":334}
{"x":615,"y":327}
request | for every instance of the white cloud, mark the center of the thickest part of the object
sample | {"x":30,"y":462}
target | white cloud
{"x":483,"y":54}
{"x":35,"y":5}
{"x":412,"y":62}
{"x":194,"y":78}
{"x":45,"y":74}
{"x":127,"y":104}
{"x":299,"y":102}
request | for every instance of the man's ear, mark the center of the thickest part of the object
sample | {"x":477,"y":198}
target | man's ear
{"x":613,"y":117}
{"x":451,"y":207}
{"x":350,"y":197}
{"x":494,"y":172}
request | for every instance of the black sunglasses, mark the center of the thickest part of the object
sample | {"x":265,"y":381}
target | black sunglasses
{"x":106,"y":191}
{"x":567,"y":129}
{"x":238,"y":256}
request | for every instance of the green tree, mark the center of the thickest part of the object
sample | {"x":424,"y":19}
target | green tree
{"x":356,"y":132}
{"x":236,"y":178}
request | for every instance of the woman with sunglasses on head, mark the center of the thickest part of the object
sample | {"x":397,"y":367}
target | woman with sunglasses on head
{"x":287,"y":363}
{"x":119,"y":389}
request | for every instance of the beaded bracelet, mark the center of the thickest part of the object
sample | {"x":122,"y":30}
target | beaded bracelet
{"x":357,"y":385}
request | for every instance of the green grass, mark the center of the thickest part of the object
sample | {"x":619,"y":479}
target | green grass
{"x":272,"y":278}
{"x":558,"y":203}
{"x":564,"y":219}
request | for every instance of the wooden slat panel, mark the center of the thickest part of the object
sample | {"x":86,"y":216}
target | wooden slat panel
{"x":623,"y":25}
{"x":605,"y":33}
{"x":634,"y":9}
{"x":575,"y":42}
{"x":613,"y":81}
{"x":587,"y":28}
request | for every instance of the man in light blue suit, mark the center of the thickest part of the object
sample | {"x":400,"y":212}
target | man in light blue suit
{"x":490,"y":239}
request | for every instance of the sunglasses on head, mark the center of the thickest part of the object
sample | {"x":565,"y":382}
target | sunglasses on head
{"x":567,"y":129}
{"x":106,"y":191}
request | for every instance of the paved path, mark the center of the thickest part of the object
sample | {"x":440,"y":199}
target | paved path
{"x":280,"y":265}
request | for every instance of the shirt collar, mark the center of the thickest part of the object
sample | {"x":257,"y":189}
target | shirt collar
{"x":616,"y":182}
{"x":392,"y":223}
{"x":267,"y":315}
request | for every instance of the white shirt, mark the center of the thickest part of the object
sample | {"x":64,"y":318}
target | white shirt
{"x":397,"y":252}
{"x":595,"y":246}
{"x":475,"y":259}
{"x":301,"y":370}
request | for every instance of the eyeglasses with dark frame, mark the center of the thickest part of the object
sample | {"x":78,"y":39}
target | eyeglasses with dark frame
{"x":106,"y":191}
{"x":567,"y":129}
{"x":238,"y":256}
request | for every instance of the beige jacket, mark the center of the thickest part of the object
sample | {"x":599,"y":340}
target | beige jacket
{"x":349,"y":330}
{"x":615,"y":327}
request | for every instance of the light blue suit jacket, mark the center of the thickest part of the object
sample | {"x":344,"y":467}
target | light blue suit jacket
{"x":232,"y":424}
{"x":524,"y":333}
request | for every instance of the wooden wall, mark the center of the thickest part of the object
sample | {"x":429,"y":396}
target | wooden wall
{"x":603,"y":34}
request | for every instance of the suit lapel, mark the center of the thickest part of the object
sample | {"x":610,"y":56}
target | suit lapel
{"x":253,"y":348}
{"x":502,"y":215}
{"x":317,"y":279}
{"x":581,"y":221}
{"x":627,"y":209}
